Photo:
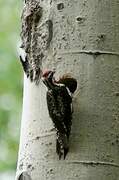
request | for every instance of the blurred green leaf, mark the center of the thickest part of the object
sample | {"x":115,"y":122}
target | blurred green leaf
{"x":10,"y":83}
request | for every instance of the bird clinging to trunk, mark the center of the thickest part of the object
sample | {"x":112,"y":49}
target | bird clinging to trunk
{"x":59,"y":102}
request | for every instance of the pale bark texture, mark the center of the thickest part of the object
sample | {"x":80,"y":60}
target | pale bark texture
{"x":80,"y":37}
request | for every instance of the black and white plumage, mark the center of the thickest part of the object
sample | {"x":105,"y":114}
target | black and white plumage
{"x":59,"y":102}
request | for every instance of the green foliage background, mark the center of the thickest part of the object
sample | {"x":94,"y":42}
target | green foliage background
{"x":10,"y":83}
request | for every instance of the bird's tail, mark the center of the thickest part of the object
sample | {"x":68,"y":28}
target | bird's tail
{"x":62,"y":145}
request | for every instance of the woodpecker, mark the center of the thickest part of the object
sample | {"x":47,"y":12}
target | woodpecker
{"x":59,"y":103}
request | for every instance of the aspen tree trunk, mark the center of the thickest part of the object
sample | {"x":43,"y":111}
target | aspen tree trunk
{"x":80,"y":37}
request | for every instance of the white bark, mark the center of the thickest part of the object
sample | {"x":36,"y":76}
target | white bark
{"x":85,"y":43}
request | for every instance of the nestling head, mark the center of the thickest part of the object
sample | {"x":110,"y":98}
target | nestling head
{"x":69,"y":82}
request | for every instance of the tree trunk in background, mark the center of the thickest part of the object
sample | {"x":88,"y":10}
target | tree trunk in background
{"x":80,"y":37}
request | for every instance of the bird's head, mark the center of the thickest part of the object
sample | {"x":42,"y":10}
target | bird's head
{"x":67,"y":80}
{"x":47,"y":76}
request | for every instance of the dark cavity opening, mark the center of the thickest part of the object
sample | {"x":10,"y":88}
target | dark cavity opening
{"x":60,"y":6}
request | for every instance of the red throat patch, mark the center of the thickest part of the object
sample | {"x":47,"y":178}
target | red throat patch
{"x":46,"y":73}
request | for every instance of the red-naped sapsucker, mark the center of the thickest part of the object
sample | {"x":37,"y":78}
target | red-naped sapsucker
{"x":59,"y":102}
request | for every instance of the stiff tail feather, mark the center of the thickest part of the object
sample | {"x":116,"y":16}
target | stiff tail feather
{"x":62,"y":147}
